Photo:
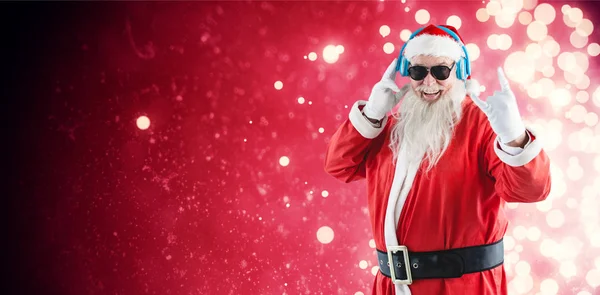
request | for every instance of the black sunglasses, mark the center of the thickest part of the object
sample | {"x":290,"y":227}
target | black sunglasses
{"x":419,"y":73}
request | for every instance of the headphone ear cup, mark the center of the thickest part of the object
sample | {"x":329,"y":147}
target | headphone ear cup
{"x":459,"y":69}
{"x":404,"y":66}
{"x":468,"y":71}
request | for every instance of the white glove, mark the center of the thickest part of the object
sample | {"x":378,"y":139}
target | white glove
{"x":502,"y":111}
{"x":383,"y":99}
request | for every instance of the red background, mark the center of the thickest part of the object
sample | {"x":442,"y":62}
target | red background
{"x":196,"y":204}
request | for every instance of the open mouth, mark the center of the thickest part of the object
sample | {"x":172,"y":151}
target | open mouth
{"x":431,"y":95}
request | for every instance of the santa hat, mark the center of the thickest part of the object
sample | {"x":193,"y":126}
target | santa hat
{"x":434,"y":41}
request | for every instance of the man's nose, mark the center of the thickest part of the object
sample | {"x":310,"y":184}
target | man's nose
{"x":429,"y":80}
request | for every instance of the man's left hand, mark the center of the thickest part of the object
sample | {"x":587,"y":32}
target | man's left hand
{"x":502,"y":111}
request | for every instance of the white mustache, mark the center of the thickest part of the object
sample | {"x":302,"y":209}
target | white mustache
{"x":428,"y":89}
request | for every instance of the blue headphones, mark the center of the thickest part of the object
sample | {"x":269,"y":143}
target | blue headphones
{"x":463,"y":65}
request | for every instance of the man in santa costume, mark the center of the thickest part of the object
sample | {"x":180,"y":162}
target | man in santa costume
{"x":439,"y":170}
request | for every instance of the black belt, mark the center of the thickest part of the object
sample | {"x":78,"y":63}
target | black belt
{"x":451,"y":263}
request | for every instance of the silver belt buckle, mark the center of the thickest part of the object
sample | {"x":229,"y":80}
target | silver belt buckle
{"x":391,"y":250}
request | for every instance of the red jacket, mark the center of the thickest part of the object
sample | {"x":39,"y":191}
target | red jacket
{"x":458,"y":204}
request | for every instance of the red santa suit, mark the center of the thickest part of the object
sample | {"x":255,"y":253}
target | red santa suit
{"x":458,"y":203}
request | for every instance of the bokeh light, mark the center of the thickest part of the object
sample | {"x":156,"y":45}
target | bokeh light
{"x":325,"y":235}
{"x":143,"y":122}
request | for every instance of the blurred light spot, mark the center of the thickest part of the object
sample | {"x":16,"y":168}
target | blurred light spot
{"x":534,"y":50}
{"x":521,"y":284}
{"x":509,"y":243}
{"x":301,"y":100}
{"x":534,"y":233}
{"x":324,"y":194}
{"x":574,"y":171}
{"x":384,"y":31}
{"x":278,"y":85}
{"x":525,"y":18}
{"x":520,"y":232}
{"x":575,"y":16}
{"x":519,"y":68}
{"x":454,"y":21}
{"x":325,"y":235}
{"x":363,"y":264}
{"x":321,"y":130}
{"x":406,"y":9}
{"x":565,"y":8}
{"x":582,"y":96}
{"x":359,"y":293}
{"x":550,"y":47}
{"x":405,"y":34}
{"x":284,"y":161}
{"x":593,"y":49}
{"x":519,"y":248}
{"x":422,"y":16}
{"x":536,"y":30}
{"x":522,"y":268}
{"x":529,"y":4}
{"x":577,"y":113}
{"x":143,"y":122}
{"x":374,"y":270}
{"x":505,"y":19}
{"x":512,"y":6}
{"x":591,"y":119}
{"x":555,"y":218}
{"x":596,"y":97}
{"x":482,"y":15}
{"x":312,"y":56}
{"x":548,"y":71}
{"x":535,"y":90}
{"x":568,"y":269}
{"x":544,"y":13}
{"x":583,"y":81}
{"x":388,"y":47}
{"x":585,"y":27}
{"x":473,"y":51}
{"x":560,"y":97}
{"x":504,"y":42}
{"x":372,"y":243}
{"x":566,"y":61}
{"x":577,"y":40}
{"x":493,"y":8}
{"x":547,"y":86}
{"x":330,"y":54}
{"x":548,"y":247}
{"x":492,"y":41}
{"x":339,"y":49}
{"x":549,"y":287}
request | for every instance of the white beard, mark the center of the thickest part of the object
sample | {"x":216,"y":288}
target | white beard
{"x":424,"y":127}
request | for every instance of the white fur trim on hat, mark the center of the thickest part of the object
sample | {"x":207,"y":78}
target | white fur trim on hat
{"x":472,"y":86}
{"x":433,"y":45}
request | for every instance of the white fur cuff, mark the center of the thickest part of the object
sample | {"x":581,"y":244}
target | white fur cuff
{"x":529,"y":152}
{"x":361,"y":124}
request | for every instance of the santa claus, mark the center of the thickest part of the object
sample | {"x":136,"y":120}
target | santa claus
{"x":439,"y":170}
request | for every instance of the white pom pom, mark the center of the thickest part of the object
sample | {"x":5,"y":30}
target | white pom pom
{"x":473,"y":86}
